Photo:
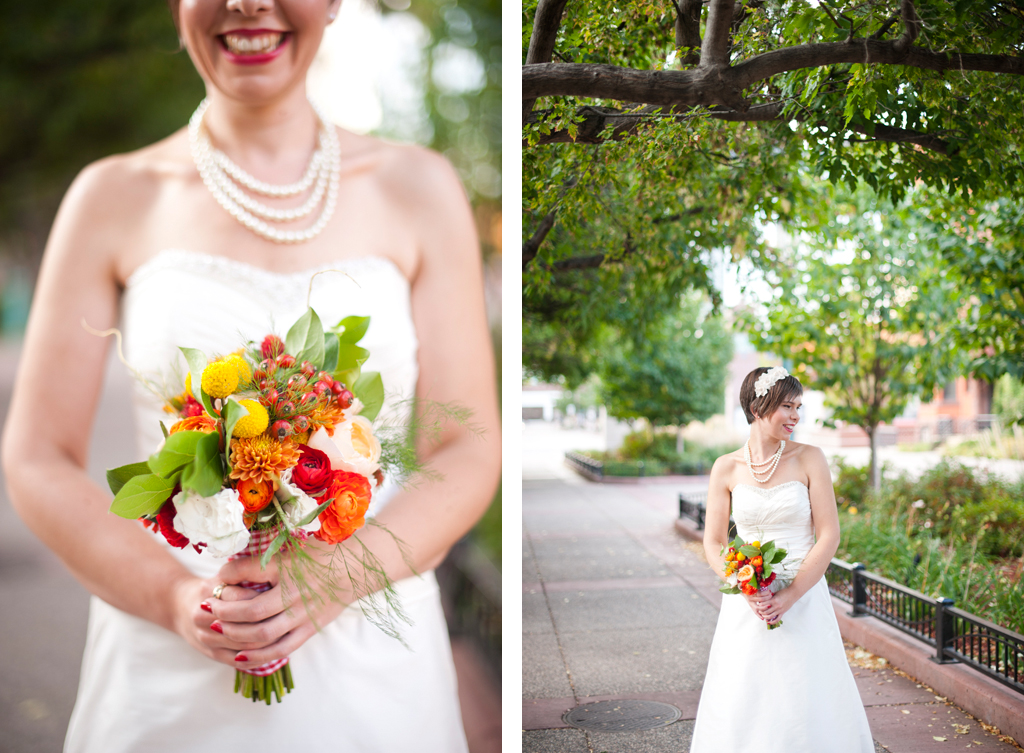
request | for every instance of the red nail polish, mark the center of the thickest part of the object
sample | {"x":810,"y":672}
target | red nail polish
{"x":215,"y":627}
{"x":241,"y":657}
{"x":206,"y":607}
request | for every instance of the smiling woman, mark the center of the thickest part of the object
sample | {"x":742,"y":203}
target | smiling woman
{"x":214,"y":231}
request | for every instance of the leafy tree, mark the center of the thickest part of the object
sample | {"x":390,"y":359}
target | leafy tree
{"x":656,"y":131}
{"x":674,"y":374}
{"x":864,"y":315}
{"x":984,"y":250}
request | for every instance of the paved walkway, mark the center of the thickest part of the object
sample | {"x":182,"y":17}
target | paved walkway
{"x":617,"y":606}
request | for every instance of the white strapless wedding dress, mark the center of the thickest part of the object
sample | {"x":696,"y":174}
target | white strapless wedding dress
{"x":788,"y":690}
{"x":143,"y":689}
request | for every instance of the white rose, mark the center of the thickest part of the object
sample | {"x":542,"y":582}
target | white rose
{"x":215,"y":521}
{"x":732,"y":580}
{"x":353,"y":447}
{"x":296,"y":503}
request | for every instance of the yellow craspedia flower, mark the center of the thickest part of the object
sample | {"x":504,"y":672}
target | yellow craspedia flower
{"x":220,"y":379}
{"x":244,"y":372}
{"x":254,"y":424}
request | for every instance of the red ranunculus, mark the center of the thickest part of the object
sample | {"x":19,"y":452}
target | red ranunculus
{"x":165,"y":523}
{"x":344,"y":516}
{"x":312,"y":474}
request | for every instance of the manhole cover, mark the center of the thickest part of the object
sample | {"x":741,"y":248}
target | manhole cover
{"x":622,"y":716}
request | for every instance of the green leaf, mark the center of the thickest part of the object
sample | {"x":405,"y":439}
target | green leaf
{"x":314,"y":514}
{"x":370,"y":390}
{"x":233,"y":412}
{"x":118,"y":477}
{"x":142,"y":495}
{"x":350,"y":359}
{"x":749,"y":551}
{"x":163,"y":430}
{"x":276,"y":544}
{"x":330,"y":352}
{"x":305,"y":340}
{"x":196,"y":363}
{"x":727,"y":589}
{"x":352,"y":328}
{"x":178,"y":450}
{"x":205,"y":475}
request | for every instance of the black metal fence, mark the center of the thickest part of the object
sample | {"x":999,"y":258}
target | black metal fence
{"x":956,"y":635}
{"x":586,"y":466}
{"x":471,"y":596}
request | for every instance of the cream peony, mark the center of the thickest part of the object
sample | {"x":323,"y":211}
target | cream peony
{"x":296,"y":503}
{"x":215,"y":521}
{"x":353,"y":447}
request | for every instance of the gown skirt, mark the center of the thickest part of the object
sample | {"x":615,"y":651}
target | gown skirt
{"x":787,"y":690}
{"x":143,"y":689}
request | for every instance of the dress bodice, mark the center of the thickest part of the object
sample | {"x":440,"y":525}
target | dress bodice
{"x":780,"y":513}
{"x":182,"y":298}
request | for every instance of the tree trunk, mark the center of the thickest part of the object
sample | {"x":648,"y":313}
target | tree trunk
{"x":874,"y":468}
{"x":680,"y":443}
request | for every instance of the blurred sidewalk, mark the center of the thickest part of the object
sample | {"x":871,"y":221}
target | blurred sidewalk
{"x":616,"y":606}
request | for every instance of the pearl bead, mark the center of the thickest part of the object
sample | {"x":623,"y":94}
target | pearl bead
{"x":215,"y":168}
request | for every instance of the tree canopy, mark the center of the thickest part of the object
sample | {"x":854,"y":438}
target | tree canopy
{"x":656,"y":132}
{"x":865,"y":314}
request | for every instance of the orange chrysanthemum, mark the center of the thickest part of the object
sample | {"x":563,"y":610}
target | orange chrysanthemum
{"x":326,"y":415}
{"x":262,"y":458}
{"x":195,"y":423}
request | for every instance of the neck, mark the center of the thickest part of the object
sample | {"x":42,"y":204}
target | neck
{"x":762,"y":444}
{"x":272,"y":140}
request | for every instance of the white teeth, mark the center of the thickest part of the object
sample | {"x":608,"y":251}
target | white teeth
{"x":242,"y":45}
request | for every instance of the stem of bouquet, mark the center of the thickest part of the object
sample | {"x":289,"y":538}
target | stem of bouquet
{"x":777,"y":623}
{"x":274,"y":678}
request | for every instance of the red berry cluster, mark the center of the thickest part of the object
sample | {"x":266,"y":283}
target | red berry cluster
{"x":291,"y":393}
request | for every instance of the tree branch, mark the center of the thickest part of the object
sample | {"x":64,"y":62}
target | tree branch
{"x":707,"y":87}
{"x":902,"y":135}
{"x":542,"y":41}
{"x":688,"y":29}
{"x":532,"y":246}
{"x":714,"y":51}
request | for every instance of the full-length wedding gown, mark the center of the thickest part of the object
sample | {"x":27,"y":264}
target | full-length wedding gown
{"x":144,"y":689}
{"x":788,"y":690}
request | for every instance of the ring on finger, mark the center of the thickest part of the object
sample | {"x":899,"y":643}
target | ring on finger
{"x":218,"y":590}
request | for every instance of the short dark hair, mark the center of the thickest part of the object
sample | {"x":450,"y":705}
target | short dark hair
{"x":753,"y":406}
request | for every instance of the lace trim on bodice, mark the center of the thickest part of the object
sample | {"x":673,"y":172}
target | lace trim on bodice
{"x":769,"y":492}
{"x":273,"y":283}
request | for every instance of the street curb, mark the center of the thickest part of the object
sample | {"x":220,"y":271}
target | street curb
{"x":976,"y":694}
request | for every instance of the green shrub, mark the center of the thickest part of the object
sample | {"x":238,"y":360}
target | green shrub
{"x":851,"y":485}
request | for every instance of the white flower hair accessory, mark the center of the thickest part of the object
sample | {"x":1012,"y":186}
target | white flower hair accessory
{"x":768,"y":379}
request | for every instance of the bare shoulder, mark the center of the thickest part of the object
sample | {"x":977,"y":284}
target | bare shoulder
{"x":808,"y":454}
{"x":724,"y":469}
{"x":108,"y":203}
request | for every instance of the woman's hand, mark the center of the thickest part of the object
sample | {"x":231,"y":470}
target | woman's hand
{"x":773,"y":606}
{"x":246,"y":628}
{"x":757,"y":601}
{"x":193,"y":616}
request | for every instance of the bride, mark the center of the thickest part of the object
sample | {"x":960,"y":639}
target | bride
{"x":787,"y":690}
{"x":190,"y":242}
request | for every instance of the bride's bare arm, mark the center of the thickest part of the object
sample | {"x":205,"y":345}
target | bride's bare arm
{"x":826,"y":532}
{"x":46,"y":437}
{"x":456,"y":367}
{"x":716,"y":516}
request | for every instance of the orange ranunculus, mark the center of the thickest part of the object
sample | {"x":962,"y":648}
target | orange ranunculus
{"x":344,"y":516}
{"x":757,"y":561}
{"x":255,"y":495}
{"x":202,"y":423}
{"x":746,"y":572}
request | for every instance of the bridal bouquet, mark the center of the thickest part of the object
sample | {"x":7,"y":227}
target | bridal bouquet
{"x":749,"y":568}
{"x":269,"y":445}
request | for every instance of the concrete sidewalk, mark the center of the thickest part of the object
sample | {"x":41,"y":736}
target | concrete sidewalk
{"x":616,"y":606}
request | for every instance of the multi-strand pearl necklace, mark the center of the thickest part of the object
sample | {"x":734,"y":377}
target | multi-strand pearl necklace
{"x":220,"y":175}
{"x":773,"y":462}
